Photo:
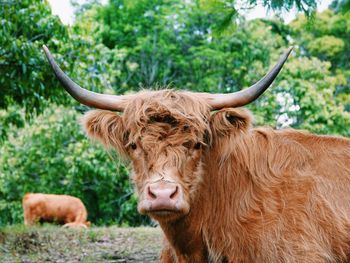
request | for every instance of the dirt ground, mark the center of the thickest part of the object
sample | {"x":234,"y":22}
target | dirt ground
{"x":97,"y":244}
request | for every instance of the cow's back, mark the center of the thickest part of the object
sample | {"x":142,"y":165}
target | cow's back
{"x":328,"y":167}
{"x":284,"y":197}
{"x":329,"y":164}
{"x":50,"y":207}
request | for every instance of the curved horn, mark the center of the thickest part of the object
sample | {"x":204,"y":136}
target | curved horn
{"x":89,"y":98}
{"x":243,"y":97}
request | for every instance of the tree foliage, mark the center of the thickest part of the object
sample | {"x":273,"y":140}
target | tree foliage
{"x":52,"y":155}
{"x":328,"y":39}
{"x":162,"y":42}
{"x":229,"y":11}
{"x":23,"y":68}
{"x":342,"y":6}
{"x":25,"y":79}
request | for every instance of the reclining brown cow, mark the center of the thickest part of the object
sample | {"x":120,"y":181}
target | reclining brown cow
{"x":221,"y":190}
{"x":63,"y":209}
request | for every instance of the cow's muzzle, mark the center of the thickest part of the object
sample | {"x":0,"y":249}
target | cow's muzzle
{"x":162,"y":198}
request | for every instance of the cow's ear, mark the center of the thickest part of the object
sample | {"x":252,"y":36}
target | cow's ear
{"x":230,"y":121}
{"x":240,"y":119}
{"x":106,"y":127}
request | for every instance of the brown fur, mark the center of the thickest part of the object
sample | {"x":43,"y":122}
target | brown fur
{"x":254,"y":195}
{"x":64,"y":209}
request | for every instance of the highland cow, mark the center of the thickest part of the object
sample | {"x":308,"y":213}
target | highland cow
{"x":221,"y":190}
{"x":63,"y":209}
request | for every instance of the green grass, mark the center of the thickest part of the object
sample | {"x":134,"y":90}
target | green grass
{"x":51,"y":243}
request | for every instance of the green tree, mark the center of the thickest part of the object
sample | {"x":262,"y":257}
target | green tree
{"x":52,"y":155}
{"x":328,"y":39}
{"x":229,"y":11}
{"x":340,"y":5}
{"x":162,"y":42}
{"x":26,"y":79}
{"x":307,"y":92}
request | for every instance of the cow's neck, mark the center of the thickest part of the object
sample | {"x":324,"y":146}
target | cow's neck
{"x":185,"y":236}
{"x":227,"y":194}
{"x":217,"y":192}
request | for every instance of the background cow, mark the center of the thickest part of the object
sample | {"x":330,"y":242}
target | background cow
{"x":221,"y":190}
{"x":63,"y":209}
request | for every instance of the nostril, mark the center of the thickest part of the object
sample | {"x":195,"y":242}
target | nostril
{"x":151,"y":194}
{"x":174,"y":194}
{"x":163,"y":192}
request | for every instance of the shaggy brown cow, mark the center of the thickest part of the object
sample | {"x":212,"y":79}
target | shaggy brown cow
{"x":221,"y":190}
{"x":64,"y":209}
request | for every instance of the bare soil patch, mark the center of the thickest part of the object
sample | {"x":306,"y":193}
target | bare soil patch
{"x":97,"y":244}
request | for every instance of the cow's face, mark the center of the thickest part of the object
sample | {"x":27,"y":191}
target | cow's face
{"x":164,"y":135}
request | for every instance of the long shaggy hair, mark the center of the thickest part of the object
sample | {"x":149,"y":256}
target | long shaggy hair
{"x":284,"y":196}
{"x":255,"y":195}
{"x":150,"y":117}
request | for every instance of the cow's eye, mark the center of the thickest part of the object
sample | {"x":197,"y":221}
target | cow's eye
{"x":198,"y":145}
{"x":133,"y":146}
{"x":187,"y":144}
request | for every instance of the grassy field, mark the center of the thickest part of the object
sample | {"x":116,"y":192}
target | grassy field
{"x":97,"y":244}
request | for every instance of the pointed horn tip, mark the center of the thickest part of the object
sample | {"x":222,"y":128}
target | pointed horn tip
{"x":286,"y":54}
{"x":46,"y":51}
{"x":289,"y":49}
{"x":45,"y":48}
